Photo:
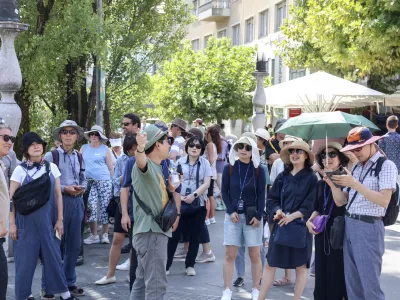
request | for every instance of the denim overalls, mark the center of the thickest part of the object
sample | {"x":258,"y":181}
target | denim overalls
{"x":37,"y":239}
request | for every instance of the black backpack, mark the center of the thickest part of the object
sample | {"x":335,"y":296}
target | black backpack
{"x":392,"y":211}
{"x":56,"y":159}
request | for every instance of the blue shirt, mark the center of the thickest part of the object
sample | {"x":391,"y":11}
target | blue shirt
{"x":118,"y":172}
{"x":95,"y":160}
{"x":390,"y":144}
{"x":253,"y":187}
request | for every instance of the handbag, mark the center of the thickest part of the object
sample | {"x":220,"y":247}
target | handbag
{"x":112,"y":209}
{"x":167,"y":217}
{"x":321,"y":220}
{"x":33,"y":195}
{"x":186,"y":208}
{"x":294,"y":234}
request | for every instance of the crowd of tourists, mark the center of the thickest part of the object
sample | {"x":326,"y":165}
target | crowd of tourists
{"x":161,"y":184}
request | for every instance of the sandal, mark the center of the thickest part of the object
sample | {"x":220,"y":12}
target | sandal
{"x":76,"y":292}
{"x":282,"y":282}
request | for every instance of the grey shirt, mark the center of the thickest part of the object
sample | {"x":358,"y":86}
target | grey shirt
{"x":189,"y":175}
{"x":10,"y":163}
{"x":70,"y":169}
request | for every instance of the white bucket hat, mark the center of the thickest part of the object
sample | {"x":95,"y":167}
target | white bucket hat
{"x":255,"y":155}
{"x":262,"y":133}
{"x":96,"y":128}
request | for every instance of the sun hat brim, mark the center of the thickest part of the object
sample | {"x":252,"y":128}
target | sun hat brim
{"x":297,"y":145}
{"x":56,"y":133}
{"x":102,"y":136}
{"x":359,"y":145}
{"x":288,"y":138}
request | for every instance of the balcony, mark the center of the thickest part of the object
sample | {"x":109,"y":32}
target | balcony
{"x":214,"y":10}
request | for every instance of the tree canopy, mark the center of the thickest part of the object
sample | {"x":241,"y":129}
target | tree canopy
{"x":213,"y":84}
{"x":352,"y":38}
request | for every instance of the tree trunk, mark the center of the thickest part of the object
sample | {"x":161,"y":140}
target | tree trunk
{"x":91,"y":110}
{"x":22,"y":99}
{"x":106,"y":117}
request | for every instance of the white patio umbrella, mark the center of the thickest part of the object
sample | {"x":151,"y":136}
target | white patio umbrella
{"x":320,"y":92}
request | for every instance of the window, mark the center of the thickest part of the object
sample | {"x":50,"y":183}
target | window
{"x":263,"y":19}
{"x":221,"y":34}
{"x":206,"y":38}
{"x":236,"y":35}
{"x":196,"y":44}
{"x":293,"y":74}
{"x":249,"y":33}
{"x":280,"y":15}
{"x":196,"y":8}
{"x":273,"y":71}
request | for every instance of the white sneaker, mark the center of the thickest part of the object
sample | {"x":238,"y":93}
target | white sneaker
{"x":180,"y":253}
{"x":208,"y":222}
{"x":126,"y":266}
{"x":190,"y":271}
{"x":168,"y":272}
{"x":227,"y":295}
{"x":92,"y":239}
{"x":254,"y":294}
{"x":204,"y":258}
{"x":104,"y":238}
{"x":212,"y":220}
{"x":106,"y":280}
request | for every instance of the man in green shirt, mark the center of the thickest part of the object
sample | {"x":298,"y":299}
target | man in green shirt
{"x":149,"y":241}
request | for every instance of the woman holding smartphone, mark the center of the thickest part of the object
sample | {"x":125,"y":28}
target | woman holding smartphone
{"x":329,"y":269}
{"x":196,"y":180}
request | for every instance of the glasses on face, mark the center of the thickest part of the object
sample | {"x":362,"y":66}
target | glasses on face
{"x":65,"y":132}
{"x":166,"y":138}
{"x":244,"y":146}
{"x":330,"y":155}
{"x":7,"y":138}
{"x":298,"y":151}
{"x":126,"y":123}
{"x":192,"y":145}
{"x":94,"y":134}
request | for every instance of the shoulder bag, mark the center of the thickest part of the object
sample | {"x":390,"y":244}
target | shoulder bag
{"x":321,"y":220}
{"x":294,"y":234}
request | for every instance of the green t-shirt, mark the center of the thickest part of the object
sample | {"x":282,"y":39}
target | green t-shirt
{"x":150,"y":187}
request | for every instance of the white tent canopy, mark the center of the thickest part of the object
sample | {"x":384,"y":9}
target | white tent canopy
{"x":319,"y":92}
{"x":393,"y":99}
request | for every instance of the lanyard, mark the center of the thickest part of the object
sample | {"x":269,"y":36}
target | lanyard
{"x":326,"y":198}
{"x":73,"y":167}
{"x":272,"y":146}
{"x":242,"y":185}
{"x":191,"y":172}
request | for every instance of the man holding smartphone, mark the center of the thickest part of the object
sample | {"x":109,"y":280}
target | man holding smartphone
{"x":73,"y":185}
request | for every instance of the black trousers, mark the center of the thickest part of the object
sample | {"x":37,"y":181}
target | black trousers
{"x":134,"y":261}
{"x":192,"y":221}
{"x":3,"y":271}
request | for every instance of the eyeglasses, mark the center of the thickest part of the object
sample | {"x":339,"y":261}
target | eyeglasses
{"x":192,"y":145}
{"x":298,"y":151}
{"x":94,"y":134}
{"x":330,"y":154}
{"x":7,"y":138}
{"x":126,"y":123}
{"x":242,"y":146}
{"x":65,"y":131}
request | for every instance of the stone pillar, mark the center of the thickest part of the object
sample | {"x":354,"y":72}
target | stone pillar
{"x":259,"y":98}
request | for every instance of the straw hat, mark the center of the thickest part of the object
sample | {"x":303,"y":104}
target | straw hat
{"x":288,"y":138}
{"x":67,"y":123}
{"x":297,"y":145}
{"x":96,"y":128}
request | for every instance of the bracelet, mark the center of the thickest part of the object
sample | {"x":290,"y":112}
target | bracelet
{"x":137,"y":150}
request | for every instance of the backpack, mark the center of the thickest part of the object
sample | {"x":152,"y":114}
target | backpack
{"x":56,"y":159}
{"x":392,"y":211}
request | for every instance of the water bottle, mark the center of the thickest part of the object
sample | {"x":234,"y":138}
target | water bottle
{"x":175,"y":181}
{"x":240,"y":205}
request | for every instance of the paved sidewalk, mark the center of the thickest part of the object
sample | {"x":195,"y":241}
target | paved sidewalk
{"x":208,"y":283}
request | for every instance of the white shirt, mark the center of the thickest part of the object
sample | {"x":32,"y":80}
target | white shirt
{"x":19,"y":173}
{"x":277,"y":167}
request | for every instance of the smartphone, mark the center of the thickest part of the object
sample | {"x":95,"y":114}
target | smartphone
{"x":58,"y":235}
{"x":338,"y":171}
{"x":179,"y":169}
{"x":80,"y":187}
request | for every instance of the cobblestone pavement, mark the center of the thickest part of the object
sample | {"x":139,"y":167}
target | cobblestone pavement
{"x":208,"y":283}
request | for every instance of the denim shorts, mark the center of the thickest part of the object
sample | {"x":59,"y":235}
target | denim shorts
{"x":240,"y":234}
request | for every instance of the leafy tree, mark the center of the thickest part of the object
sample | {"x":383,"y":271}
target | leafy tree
{"x":213,"y":84}
{"x":351,"y":38}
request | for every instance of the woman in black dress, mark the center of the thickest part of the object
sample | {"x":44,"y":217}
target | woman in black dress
{"x":329,"y":270}
{"x":291,"y":199}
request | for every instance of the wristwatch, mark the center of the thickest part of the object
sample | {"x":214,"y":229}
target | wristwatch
{"x":195,"y":195}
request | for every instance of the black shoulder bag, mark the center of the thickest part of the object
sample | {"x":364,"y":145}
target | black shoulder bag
{"x":167,"y":217}
{"x":338,"y":227}
{"x":33,"y":195}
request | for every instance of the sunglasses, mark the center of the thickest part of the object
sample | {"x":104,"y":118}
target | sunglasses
{"x":7,"y":138}
{"x":65,"y":131}
{"x":244,"y":146}
{"x":298,"y":151}
{"x":192,"y":145}
{"x":94,"y":134}
{"x":126,"y":123}
{"x":330,"y":154}
{"x":170,"y":140}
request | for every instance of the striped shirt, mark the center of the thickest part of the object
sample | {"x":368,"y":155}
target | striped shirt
{"x":386,"y":180}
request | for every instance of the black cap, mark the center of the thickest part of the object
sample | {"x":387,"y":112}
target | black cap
{"x":29,"y":138}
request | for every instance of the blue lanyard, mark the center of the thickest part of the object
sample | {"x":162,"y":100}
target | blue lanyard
{"x":326,"y":198}
{"x":242,"y":185}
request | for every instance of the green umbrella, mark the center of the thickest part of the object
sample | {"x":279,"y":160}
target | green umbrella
{"x":323,"y":125}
